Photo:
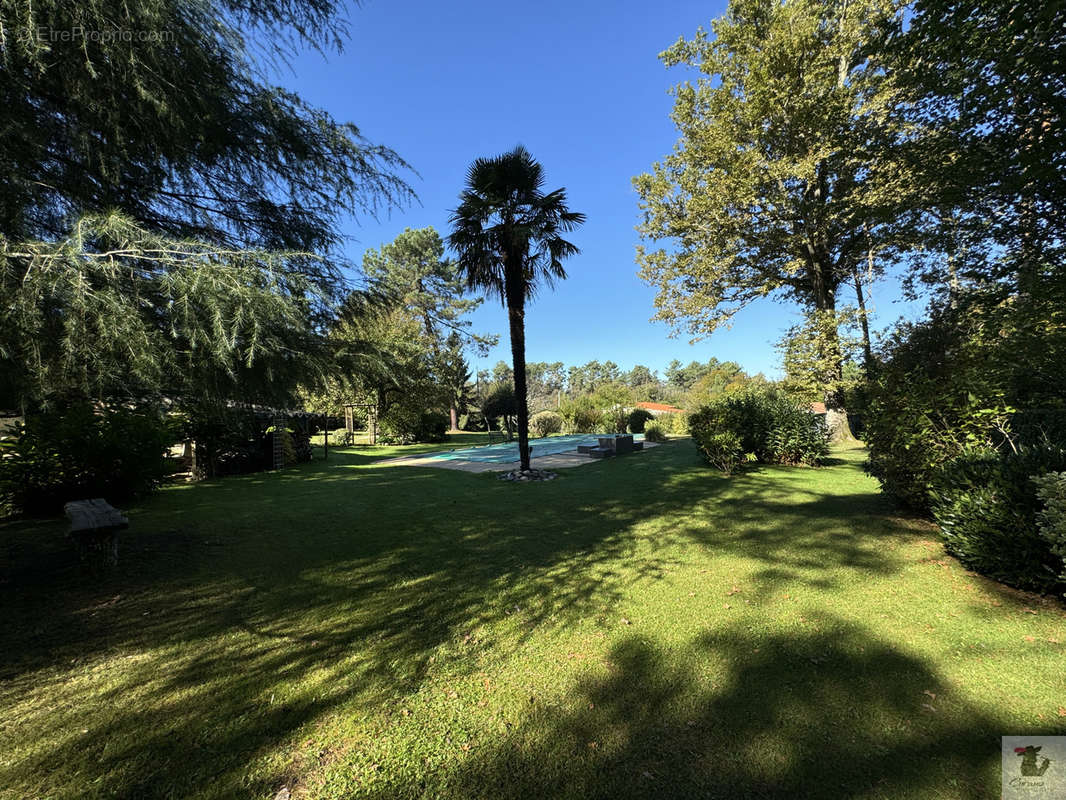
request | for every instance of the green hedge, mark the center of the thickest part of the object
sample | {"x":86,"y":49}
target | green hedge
{"x":1051,"y":489}
{"x":987,"y":506}
{"x":77,"y":452}
{"x":770,"y":426}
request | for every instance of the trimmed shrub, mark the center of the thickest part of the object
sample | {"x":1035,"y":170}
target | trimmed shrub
{"x":639,"y":419}
{"x":987,"y":506}
{"x":653,"y":432}
{"x":545,"y":423}
{"x":1051,"y":489}
{"x":78,"y":452}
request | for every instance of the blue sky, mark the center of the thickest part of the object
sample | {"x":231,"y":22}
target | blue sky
{"x":580,"y":85}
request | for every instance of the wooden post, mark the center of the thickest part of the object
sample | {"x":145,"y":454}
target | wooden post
{"x":349,"y":424}
{"x":325,"y":437}
{"x":279,"y":446}
{"x":372,"y":420}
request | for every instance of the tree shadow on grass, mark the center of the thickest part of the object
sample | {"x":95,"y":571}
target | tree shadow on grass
{"x":819,"y":715}
{"x":248,"y":607}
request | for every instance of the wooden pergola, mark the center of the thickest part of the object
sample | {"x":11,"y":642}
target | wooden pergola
{"x":371,"y":421}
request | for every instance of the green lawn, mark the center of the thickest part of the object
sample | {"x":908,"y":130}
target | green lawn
{"x":641,"y":627}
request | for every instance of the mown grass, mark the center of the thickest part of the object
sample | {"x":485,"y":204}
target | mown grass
{"x":641,"y":627}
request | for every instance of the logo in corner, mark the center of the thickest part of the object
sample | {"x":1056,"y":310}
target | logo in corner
{"x":1032,"y":767}
{"x":1028,"y":755}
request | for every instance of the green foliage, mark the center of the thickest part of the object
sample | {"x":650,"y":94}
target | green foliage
{"x":508,"y":233}
{"x":500,"y":407}
{"x":406,"y":352}
{"x":1051,"y":520}
{"x":749,"y":415}
{"x":113,"y":310}
{"x":984,"y":373}
{"x":674,"y":423}
{"x":987,"y":506}
{"x":182,"y":126}
{"x":614,"y":420}
{"x":302,"y":452}
{"x":653,"y":432}
{"x":288,"y":448}
{"x":766,"y":424}
{"x":982,"y":82}
{"x":812,"y":354}
{"x":772,"y":186}
{"x":546,"y":423}
{"x":639,"y":419}
{"x":77,"y":452}
{"x":581,"y":416}
{"x":722,"y":450}
{"x":404,"y":424}
{"x":414,"y":274}
{"x":798,"y":437}
{"x":229,"y":438}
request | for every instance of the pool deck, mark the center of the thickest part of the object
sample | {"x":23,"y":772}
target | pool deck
{"x":565,"y":460}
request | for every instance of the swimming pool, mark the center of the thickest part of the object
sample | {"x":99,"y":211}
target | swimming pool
{"x":507,"y":452}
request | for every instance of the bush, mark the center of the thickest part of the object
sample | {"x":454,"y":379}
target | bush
{"x":77,"y":452}
{"x":1051,"y":489}
{"x":295,"y":445}
{"x":545,"y":423}
{"x":229,"y":440}
{"x":675,"y":423}
{"x":653,"y":432}
{"x":301,"y":445}
{"x":769,"y":425}
{"x":987,"y":506}
{"x":722,"y":450}
{"x":638,"y":419}
{"x":986,"y":373}
{"x":579,"y":416}
{"x":614,"y":420}
{"x":401,"y":426}
{"x":798,"y":437}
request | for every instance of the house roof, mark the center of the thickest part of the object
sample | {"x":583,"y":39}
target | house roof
{"x":817,"y":408}
{"x":660,"y":407}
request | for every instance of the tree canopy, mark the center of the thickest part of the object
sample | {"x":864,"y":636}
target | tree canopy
{"x":771,"y":189}
{"x":171,"y":220}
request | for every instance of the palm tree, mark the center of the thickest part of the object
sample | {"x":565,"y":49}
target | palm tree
{"x":507,"y":233}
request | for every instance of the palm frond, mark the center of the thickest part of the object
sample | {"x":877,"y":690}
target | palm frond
{"x":506,"y":229}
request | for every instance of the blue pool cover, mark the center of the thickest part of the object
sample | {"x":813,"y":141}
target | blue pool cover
{"x":507,"y":452}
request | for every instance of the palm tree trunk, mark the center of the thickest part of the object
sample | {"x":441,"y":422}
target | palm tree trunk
{"x":516,"y":317}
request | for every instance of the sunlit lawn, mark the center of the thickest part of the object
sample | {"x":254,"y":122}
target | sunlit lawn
{"x":641,"y":627}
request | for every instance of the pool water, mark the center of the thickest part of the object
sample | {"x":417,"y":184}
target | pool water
{"x":507,"y":452}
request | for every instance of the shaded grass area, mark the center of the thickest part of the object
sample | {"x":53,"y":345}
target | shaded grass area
{"x":639,"y":627}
